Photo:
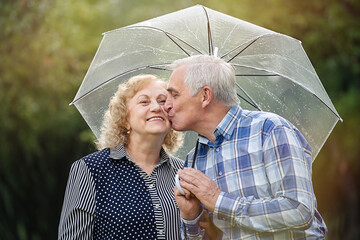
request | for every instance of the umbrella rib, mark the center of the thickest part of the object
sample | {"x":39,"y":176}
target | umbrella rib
{"x":296,"y":83}
{"x":158,"y":68}
{"x":252,"y":103}
{"x":209,"y":32}
{"x":177,"y":44}
{"x":118,"y":75}
{"x":169,"y":35}
{"x":255,"y":39}
{"x":256,"y":75}
{"x":242,"y":50}
{"x":248,"y":102}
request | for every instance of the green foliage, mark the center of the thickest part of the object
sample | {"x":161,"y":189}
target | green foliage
{"x":47,"y":46}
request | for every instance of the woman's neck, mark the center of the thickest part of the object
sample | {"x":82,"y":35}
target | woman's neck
{"x":145,"y":152}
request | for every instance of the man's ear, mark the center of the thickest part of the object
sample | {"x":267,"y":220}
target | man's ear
{"x":207,"y":96}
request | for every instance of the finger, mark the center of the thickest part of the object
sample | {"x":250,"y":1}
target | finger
{"x":206,"y":222}
{"x":187,"y":194}
{"x":206,"y":215}
{"x":204,"y":225}
{"x":183,"y":174}
{"x":193,"y":171}
{"x":186,"y":191}
{"x":189,"y":187}
{"x":176,"y":192}
{"x":193,"y":175}
{"x":190,"y":177}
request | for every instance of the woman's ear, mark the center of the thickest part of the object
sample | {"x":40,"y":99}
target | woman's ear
{"x":207,"y":96}
{"x":127,"y":124}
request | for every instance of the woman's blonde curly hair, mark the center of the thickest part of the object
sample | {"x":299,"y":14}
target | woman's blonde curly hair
{"x":114,"y":131}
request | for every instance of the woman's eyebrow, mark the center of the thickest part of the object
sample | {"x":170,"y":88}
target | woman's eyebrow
{"x":143,"y":95}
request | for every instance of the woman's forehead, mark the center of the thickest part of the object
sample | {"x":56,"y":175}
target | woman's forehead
{"x":152,"y":89}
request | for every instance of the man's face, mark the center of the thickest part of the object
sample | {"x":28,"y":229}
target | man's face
{"x":181,"y":107}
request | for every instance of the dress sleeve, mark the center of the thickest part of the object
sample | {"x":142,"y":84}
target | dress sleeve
{"x":77,"y":216}
{"x":291,"y":198}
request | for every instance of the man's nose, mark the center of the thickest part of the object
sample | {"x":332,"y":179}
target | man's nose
{"x":168,"y":104}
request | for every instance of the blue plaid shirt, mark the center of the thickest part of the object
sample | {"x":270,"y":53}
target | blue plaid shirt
{"x":262,"y":165}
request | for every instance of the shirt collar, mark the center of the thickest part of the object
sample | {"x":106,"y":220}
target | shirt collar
{"x":227,"y":125}
{"x":119,"y":153}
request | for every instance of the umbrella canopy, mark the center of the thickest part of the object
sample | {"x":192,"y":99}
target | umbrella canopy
{"x":273,"y":72}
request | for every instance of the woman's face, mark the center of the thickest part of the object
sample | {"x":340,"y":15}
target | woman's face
{"x":146,"y":113}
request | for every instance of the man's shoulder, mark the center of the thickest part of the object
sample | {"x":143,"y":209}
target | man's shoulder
{"x":266,"y":120}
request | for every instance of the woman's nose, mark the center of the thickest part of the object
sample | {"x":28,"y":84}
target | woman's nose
{"x":155,"y":106}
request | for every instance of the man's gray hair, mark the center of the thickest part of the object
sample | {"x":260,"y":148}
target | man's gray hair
{"x":211,"y":71}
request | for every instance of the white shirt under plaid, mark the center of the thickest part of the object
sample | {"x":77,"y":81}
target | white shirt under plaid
{"x":262,"y":165}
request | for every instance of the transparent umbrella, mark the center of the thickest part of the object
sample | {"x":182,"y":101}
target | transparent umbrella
{"x":273,"y":72}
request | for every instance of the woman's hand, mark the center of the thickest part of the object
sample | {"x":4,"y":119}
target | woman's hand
{"x":188,"y":204}
{"x":200,"y":185}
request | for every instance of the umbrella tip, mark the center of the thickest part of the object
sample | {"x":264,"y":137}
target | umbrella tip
{"x":216,"y":51}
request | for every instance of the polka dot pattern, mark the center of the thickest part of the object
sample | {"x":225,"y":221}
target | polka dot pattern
{"x":123,"y":204}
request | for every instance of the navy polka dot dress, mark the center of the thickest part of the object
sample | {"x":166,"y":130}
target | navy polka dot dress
{"x":109,"y":198}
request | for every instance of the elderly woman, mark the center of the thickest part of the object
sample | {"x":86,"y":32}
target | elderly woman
{"x":125,"y":190}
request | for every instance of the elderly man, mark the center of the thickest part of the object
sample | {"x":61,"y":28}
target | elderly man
{"x":251,"y":171}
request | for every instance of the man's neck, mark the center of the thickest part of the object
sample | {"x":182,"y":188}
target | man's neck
{"x":211,"y":118}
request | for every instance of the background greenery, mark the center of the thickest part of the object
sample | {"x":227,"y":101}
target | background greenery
{"x":47,"y":46}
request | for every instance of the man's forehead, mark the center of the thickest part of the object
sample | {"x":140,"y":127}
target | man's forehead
{"x":176,"y":80}
{"x":173,"y":85}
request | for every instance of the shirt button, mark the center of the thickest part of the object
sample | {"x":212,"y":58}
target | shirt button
{"x":157,"y":206}
{"x":161,"y":231}
{"x":217,"y":149}
{"x":151,"y":186}
{"x":220,"y":173}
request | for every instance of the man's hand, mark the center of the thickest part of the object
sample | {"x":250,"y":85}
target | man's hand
{"x":210,"y":229}
{"x":200,"y":185}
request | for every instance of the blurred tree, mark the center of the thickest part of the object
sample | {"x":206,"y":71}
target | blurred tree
{"x":39,"y":65}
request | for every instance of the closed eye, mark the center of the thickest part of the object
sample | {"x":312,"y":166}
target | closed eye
{"x":173,"y":92}
{"x":162,"y":102}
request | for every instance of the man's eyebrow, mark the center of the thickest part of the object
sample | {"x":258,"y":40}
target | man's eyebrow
{"x":172,"y":90}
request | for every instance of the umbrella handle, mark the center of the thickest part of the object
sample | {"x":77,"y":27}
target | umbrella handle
{"x":216,"y":51}
{"x":177,"y":183}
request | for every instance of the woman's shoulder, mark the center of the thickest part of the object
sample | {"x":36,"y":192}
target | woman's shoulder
{"x":176,"y":162}
{"x":98,"y":155}
{"x":96,"y":159}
